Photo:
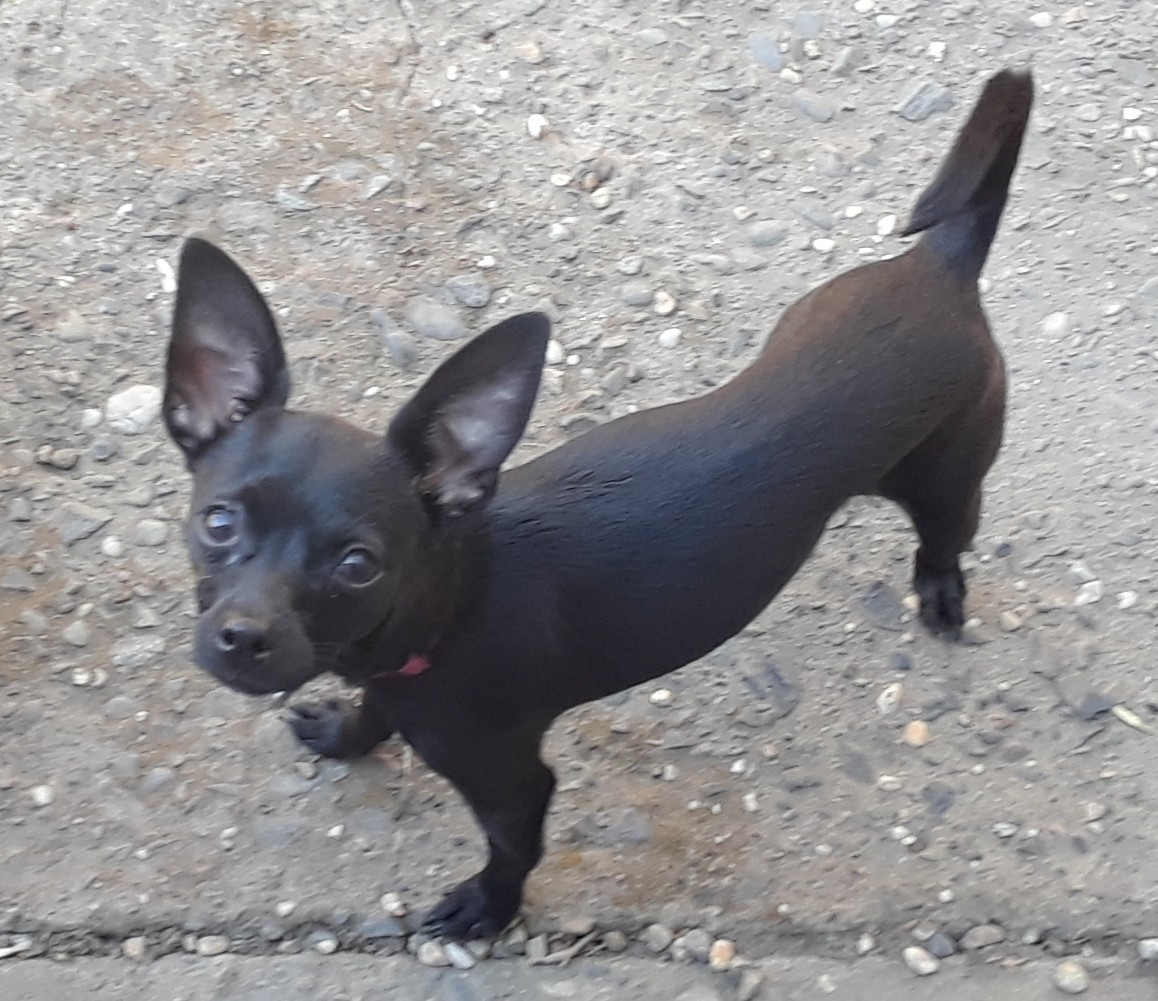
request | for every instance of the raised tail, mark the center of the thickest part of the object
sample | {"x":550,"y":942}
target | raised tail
{"x":962,"y":207}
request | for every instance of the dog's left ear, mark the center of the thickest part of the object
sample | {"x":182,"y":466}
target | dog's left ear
{"x":225,"y":355}
{"x":458,"y":428}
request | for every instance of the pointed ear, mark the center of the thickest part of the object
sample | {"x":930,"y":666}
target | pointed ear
{"x":459,"y":427}
{"x":225,"y":355}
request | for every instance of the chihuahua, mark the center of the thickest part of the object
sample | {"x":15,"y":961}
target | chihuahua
{"x":472,"y":610}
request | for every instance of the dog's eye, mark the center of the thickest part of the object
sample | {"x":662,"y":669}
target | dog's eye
{"x":219,"y":526}
{"x":359,"y":568}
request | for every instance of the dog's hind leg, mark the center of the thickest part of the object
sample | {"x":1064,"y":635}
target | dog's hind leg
{"x":939,"y":485}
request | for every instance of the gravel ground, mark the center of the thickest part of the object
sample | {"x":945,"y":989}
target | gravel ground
{"x":831,"y":804}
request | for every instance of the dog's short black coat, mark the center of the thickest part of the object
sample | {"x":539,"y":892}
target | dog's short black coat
{"x":472,"y":613}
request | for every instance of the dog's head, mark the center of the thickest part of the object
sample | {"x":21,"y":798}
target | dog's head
{"x":319,"y":546}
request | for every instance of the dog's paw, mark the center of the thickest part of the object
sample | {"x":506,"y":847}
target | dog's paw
{"x":327,"y":728}
{"x":942,"y":594}
{"x":469,"y":912}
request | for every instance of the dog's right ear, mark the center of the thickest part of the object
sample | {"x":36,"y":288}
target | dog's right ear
{"x":463,"y":422}
{"x":225,"y":355}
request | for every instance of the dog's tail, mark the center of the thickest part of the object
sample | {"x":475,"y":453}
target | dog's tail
{"x":962,"y":207}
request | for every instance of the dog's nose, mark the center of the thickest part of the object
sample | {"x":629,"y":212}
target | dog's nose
{"x":244,"y":637}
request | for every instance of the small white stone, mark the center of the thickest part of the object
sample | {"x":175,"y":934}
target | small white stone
{"x":168,"y":277}
{"x":890,"y":698}
{"x":42,"y":795}
{"x":865,"y":944}
{"x":560,"y":179}
{"x":937,"y":51}
{"x":824,"y":244}
{"x":864,"y":6}
{"x":555,"y":353}
{"x":284,"y":908}
{"x":1056,"y":325}
{"x":536,"y":126}
{"x":392,"y":904}
{"x":920,"y":961}
{"x":789,"y":75}
{"x":1127,"y":599}
{"x":134,"y":948}
{"x":887,"y":20}
{"x":661,"y":697}
{"x":132,"y":410}
{"x":1148,"y":949}
{"x":1090,"y":592}
{"x":853,"y":211}
{"x":1131,"y":114}
{"x":664,"y":303}
{"x":1041,"y":19}
{"x":452,"y":72}
{"x":1070,"y":977}
{"x":886,"y":224}
{"x":112,"y":546}
{"x":212,"y":945}
{"x":601,"y":198}
{"x":670,"y":338}
{"x":750,"y":802}
{"x":90,"y":417}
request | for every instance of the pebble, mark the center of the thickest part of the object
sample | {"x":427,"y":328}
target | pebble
{"x":721,"y":955}
{"x":1041,"y":19}
{"x":434,"y":320}
{"x":670,"y":338}
{"x":615,"y":942}
{"x":78,"y":521}
{"x":865,"y":944}
{"x":637,"y":294}
{"x":1070,"y":977}
{"x":537,"y":126}
{"x":1090,"y":592}
{"x":432,"y":954}
{"x":133,"y":410}
{"x":812,"y":105}
{"x":940,"y":945}
{"x":213,"y":945}
{"x":695,"y":944}
{"x":766,"y":233}
{"x":1148,"y":949}
{"x":601,"y":198}
{"x":766,"y":52}
{"x":292,"y":202}
{"x":982,"y":936}
{"x":890,"y":697}
{"x":460,"y":957}
{"x":924,"y":99}
{"x":134,"y":948}
{"x":323,"y":942}
{"x":751,"y":981}
{"x":657,"y":937}
{"x":42,"y":796}
{"x":470,"y":290}
{"x":916,"y":733}
{"x":76,"y":633}
{"x":664,"y":304}
{"x":136,"y":651}
{"x":149,"y":532}
{"x":1056,"y":326}
{"x":555,"y":354}
{"x":920,"y":960}
{"x":631,"y":265}
{"x":661,"y":697}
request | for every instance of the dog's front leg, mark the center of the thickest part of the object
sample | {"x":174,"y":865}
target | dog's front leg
{"x":506,"y":784}
{"x":339,"y":729}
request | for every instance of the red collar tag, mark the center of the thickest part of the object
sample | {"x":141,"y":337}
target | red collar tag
{"x":414,"y":666}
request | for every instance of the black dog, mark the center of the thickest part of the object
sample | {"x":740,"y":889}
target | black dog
{"x":471,"y":614}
